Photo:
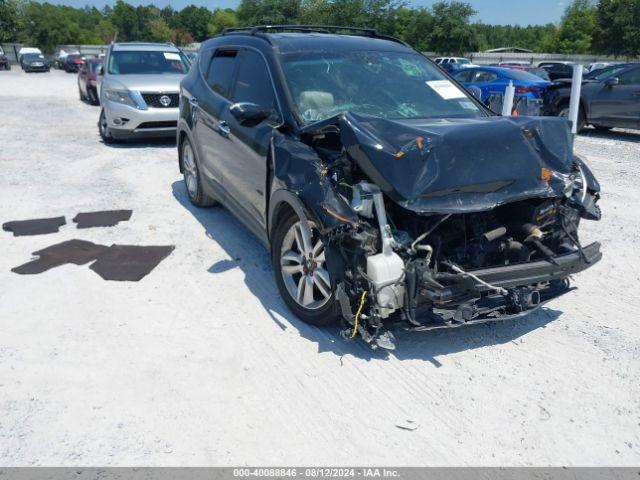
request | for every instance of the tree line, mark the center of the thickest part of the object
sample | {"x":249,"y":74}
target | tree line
{"x":610,"y":27}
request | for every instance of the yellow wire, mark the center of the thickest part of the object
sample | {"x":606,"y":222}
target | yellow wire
{"x":355,"y":322}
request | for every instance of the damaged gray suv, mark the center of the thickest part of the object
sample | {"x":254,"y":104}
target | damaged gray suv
{"x":387,"y":195}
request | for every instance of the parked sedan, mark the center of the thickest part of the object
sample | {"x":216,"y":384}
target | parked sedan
{"x":72,"y":62}
{"x":88,"y":80}
{"x":492,"y":80}
{"x":451,"y":64}
{"x":609,"y":99}
{"x":35,"y":62}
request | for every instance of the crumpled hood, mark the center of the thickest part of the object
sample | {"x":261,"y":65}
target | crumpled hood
{"x":165,"y":83}
{"x":461,"y":165}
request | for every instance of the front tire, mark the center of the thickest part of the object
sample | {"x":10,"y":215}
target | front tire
{"x":192,"y":177}
{"x":103,"y":128}
{"x":582,"y":122}
{"x":300,"y":272}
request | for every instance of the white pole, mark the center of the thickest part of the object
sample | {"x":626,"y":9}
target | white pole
{"x":574,"y":104}
{"x":507,"y":104}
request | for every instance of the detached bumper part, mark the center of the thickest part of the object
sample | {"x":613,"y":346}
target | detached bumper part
{"x":541,"y":271}
{"x":529,"y":285}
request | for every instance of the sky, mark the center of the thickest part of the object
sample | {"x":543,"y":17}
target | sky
{"x":498,"y":12}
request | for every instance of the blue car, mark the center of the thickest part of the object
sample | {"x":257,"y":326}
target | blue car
{"x":492,"y":80}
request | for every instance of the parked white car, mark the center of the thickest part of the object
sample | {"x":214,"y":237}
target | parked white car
{"x":138,"y":87}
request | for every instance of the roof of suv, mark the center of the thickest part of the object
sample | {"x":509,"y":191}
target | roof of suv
{"x":138,"y":46}
{"x":295,"y":38}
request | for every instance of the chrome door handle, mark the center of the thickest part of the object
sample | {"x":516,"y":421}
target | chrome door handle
{"x":193,"y":101}
{"x":223,"y":129}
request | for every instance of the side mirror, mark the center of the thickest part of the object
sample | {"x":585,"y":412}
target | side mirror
{"x":249,"y":114}
{"x":611,"y":81}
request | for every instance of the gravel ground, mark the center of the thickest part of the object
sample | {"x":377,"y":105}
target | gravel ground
{"x":200,"y":363}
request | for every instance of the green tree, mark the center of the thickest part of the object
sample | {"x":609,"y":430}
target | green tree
{"x":222,"y":18}
{"x":451,"y":32}
{"x":618,"y":28}
{"x":8,"y":20}
{"x":576,"y":28}
{"x":194,"y":20}
{"x":269,"y":12}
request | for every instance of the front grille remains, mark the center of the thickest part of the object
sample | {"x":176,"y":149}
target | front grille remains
{"x":153,"y":100}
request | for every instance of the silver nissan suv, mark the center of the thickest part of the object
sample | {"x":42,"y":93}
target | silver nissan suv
{"x":138,"y":87}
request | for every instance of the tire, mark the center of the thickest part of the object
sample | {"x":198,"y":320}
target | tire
{"x":93,"y":96}
{"x":582,"y":122}
{"x":105,"y":131}
{"x":304,"y":270}
{"x":82,"y":96}
{"x":192,"y":177}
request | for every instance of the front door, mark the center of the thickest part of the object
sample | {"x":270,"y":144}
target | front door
{"x":245,"y":162}
{"x":618,"y":105}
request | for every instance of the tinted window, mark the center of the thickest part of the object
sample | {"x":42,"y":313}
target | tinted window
{"x":253,"y":83}
{"x":524,"y":76}
{"x":220,"y":72}
{"x":129,"y":62}
{"x":464,"y":75}
{"x":483,"y":77}
{"x":630,"y":77}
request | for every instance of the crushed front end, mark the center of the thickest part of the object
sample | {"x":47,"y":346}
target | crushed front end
{"x":448,"y":223}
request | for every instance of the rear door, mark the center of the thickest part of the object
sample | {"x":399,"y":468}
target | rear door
{"x":245,"y":166}
{"x":210,"y":128}
{"x":618,"y":105}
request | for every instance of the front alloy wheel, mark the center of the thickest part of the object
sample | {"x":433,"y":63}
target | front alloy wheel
{"x":301,"y":274}
{"x":103,"y":128}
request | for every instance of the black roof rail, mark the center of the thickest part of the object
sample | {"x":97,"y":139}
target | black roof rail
{"x":300,"y":28}
{"x":336,"y":29}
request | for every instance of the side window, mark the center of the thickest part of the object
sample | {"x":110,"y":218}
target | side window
{"x":220,"y":71}
{"x":464,"y":75}
{"x":630,"y":77}
{"x":253,"y":83}
{"x":483,"y":77}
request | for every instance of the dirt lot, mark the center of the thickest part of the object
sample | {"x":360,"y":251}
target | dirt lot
{"x":200,"y":363}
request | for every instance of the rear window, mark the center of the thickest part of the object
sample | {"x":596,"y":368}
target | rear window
{"x":522,"y":75}
{"x":220,"y":71}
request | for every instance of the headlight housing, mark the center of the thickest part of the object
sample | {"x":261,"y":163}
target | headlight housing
{"x":125,"y":97}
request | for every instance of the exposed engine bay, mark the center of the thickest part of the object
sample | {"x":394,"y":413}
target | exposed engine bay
{"x":462,"y":222}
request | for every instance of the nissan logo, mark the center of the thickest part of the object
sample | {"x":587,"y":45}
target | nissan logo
{"x":165,"y":101}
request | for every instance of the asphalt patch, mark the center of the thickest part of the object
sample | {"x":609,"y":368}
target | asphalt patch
{"x":129,"y":262}
{"x":36,"y":226}
{"x":78,"y":252}
{"x":106,"y":218}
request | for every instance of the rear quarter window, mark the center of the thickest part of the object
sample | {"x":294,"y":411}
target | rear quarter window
{"x":220,"y":71}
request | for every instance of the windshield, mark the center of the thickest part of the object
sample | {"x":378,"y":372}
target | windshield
{"x":147,"y":62}
{"x":605,"y":73}
{"x":463,"y":61}
{"x":390,"y":85}
{"x":33,"y":56}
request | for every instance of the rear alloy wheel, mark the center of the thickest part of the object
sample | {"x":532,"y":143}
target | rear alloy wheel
{"x":564,"y":113}
{"x":103,"y":128}
{"x":192,"y":180}
{"x":301,"y":274}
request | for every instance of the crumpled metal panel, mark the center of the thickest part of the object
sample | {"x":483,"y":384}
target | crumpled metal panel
{"x":459,"y":165}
